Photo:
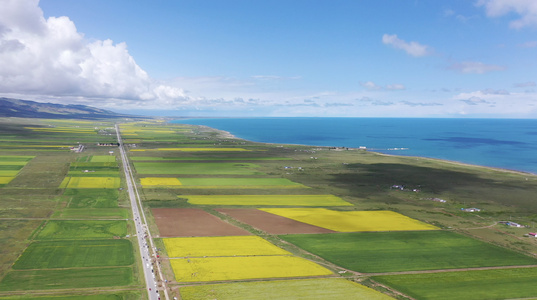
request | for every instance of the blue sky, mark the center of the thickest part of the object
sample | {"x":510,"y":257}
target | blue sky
{"x":370,"y":58}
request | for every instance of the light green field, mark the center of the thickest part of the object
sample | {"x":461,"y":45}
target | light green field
{"x":326,"y":288}
{"x":66,"y":279}
{"x":103,"y":158}
{"x":12,"y":158}
{"x":197,"y":168}
{"x":372,"y":252}
{"x":86,"y":229}
{"x":75,"y":254}
{"x":476,"y":285}
{"x":90,"y":183}
{"x":267,"y":200}
{"x":9,"y":173}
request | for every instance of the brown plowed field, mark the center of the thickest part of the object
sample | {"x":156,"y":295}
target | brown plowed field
{"x":185,"y":222}
{"x":270,"y":223}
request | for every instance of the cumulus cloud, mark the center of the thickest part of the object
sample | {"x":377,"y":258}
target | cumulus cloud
{"x":525,"y":9}
{"x":50,"y":57}
{"x":412,"y":48}
{"x":475,"y":67}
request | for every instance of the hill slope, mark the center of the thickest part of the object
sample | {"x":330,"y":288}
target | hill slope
{"x":31,"y":109}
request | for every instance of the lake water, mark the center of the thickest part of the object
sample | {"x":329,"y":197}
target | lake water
{"x":502,"y":143}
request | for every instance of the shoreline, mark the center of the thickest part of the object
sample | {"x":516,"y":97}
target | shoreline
{"x":229,"y":135}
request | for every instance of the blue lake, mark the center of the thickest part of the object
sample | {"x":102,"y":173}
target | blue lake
{"x":502,"y":143}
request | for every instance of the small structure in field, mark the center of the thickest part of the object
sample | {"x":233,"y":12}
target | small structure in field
{"x":472,"y":209}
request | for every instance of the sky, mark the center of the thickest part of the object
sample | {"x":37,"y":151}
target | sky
{"x":275,"y":58}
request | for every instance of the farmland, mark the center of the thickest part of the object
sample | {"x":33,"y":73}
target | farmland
{"x":219,"y":182}
{"x":349,"y":221}
{"x":264,"y":200}
{"x":221,"y":246}
{"x":72,"y":254}
{"x":326,"y":288}
{"x":245,"y":267}
{"x":66,"y":279}
{"x":476,"y":285}
{"x":197,"y":168}
{"x":246,"y":218}
{"x":90,"y":183}
{"x":43,"y":256}
{"x":89,"y":229}
{"x":375,"y":252}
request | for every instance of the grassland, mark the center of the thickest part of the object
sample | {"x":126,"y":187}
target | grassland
{"x":267,"y":200}
{"x":476,"y":285}
{"x":374,"y":252}
{"x":326,"y":288}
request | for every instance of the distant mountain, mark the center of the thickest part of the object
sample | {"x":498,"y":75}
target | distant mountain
{"x":31,"y":109}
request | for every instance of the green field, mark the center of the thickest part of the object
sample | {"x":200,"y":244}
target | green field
{"x":92,"y":213}
{"x":66,"y":279}
{"x":266,"y":200}
{"x":118,"y":296}
{"x":94,"y":198}
{"x":475,"y":285}
{"x":102,"y":158}
{"x":12,"y":158}
{"x":373,"y":252}
{"x":75,"y":254}
{"x":197,"y":168}
{"x":83,"y":229}
{"x":330,"y":288}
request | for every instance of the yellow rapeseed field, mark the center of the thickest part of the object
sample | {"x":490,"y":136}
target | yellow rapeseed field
{"x":90,"y":183}
{"x":6,"y":180}
{"x":220,"y":246}
{"x":352,"y":221}
{"x":159,"y":181}
{"x":250,"y":267}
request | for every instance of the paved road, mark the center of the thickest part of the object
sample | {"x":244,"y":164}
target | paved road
{"x":148,"y":252}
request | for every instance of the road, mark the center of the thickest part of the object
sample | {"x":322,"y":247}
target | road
{"x":148,"y":252}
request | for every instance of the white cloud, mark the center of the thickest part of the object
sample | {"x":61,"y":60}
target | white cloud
{"x":395,"y":87}
{"x":475,"y":67}
{"x":370,"y":85}
{"x":526,"y":9}
{"x":50,"y":57}
{"x":411,"y":48}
